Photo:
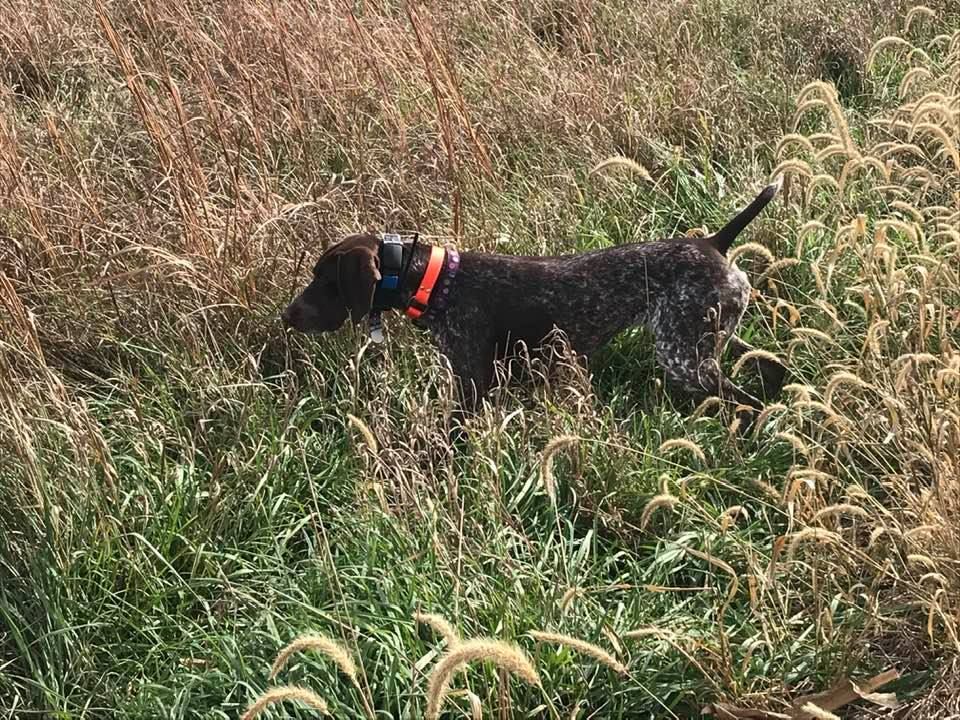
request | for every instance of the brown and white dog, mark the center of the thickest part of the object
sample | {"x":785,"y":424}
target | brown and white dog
{"x":477,"y":308}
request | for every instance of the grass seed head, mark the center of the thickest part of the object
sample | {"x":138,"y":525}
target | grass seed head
{"x":282,"y":694}
{"x":664,"y":500}
{"x":811,"y":534}
{"x":546,"y":464}
{"x":683,"y":444}
{"x":581,"y":646}
{"x":321,"y":644}
{"x":439,"y":625}
{"x":505,"y":656}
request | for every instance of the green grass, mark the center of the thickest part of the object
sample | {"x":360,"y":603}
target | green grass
{"x":181,"y":492}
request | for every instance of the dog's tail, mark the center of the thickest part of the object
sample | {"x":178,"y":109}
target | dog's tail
{"x":723,"y":239}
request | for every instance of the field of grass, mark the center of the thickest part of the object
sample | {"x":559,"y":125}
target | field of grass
{"x":185,"y":489}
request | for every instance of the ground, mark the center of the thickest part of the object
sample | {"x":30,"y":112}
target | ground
{"x":185,"y":488}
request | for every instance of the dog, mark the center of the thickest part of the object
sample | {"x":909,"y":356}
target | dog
{"x":479,"y":306}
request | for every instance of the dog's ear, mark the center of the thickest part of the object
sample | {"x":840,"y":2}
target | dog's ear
{"x":357,"y":275}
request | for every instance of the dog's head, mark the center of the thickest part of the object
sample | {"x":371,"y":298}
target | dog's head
{"x":344,"y":280}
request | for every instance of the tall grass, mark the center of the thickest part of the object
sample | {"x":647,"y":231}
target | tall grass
{"x":184,"y":488}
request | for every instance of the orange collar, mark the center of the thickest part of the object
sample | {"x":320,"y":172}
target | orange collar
{"x":421,"y":299}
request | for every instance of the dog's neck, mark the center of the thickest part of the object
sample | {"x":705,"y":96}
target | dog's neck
{"x":417,"y":280}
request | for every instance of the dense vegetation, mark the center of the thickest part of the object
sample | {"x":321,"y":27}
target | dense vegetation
{"x":184,"y":488}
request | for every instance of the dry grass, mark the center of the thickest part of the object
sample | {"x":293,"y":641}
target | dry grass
{"x":178,"y":489}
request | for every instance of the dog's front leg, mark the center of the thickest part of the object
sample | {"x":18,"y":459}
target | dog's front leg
{"x":472,"y":373}
{"x":471,"y":362}
{"x":471,"y":381}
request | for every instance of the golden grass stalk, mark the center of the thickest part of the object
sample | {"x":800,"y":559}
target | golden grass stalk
{"x":824,"y":137}
{"x":879,"y":532}
{"x":323,"y":645}
{"x":793,"y":165}
{"x":738,"y":415}
{"x":811,"y":534}
{"x":882,"y":44}
{"x":920,"y":559}
{"x":828,"y":93}
{"x":807,"y":228}
{"x":365,"y":432}
{"x":944,"y":109}
{"x":939,"y":108}
{"x":938,"y":132}
{"x":620,"y":162}
{"x":910,"y":77}
{"x":840,"y":509}
{"x":927,"y":178}
{"x":813,"y":333}
{"x":916,"y":12}
{"x":673,"y":640}
{"x":885,"y":150}
{"x":705,"y":406}
{"x":817,"y":181}
{"x":909,"y":209}
{"x":752,"y":355}
{"x":794,"y":441}
{"x":801,"y":140}
{"x":920,"y":531}
{"x":801,"y":391}
{"x":830,"y":311}
{"x":830,"y":151}
{"x":893,"y":410}
{"x":729,"y":516}
{"x":804,"y":106}
{"x":612,"y":638}
{"x":581,"y":646}
{"x":817,"y":712}
{"x":439,"y":625}
{"x":663,"y":500}
{"x":849,"y":168}
{"x":792,"y":489}
{"x":720,"y":565}
{"x":751,"y":248}
{"x":815,"y":476}
{"x":682,"y":444}
{"x":505,"y":656}
{"x":546,"y":464}
{"x":282,"y":693}
{"x":568,"y":597}
{"x":818,"y":278}
{"x":765,"y":415}
{"x":842,"y":378}
{"x":643,"y":632}
{"x":933,"y":97}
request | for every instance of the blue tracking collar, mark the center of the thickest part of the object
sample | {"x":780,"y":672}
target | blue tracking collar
{"x":391,"y":261}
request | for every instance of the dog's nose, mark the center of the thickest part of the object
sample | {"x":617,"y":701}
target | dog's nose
{"x":287,"y":317}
